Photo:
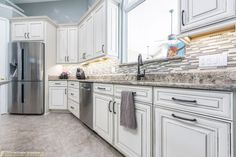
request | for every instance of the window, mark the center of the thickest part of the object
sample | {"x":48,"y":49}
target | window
{"x":146,"y":26}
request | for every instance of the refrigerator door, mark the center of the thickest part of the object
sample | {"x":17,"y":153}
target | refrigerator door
{"x":27,"y":61}
{"x":26,"y":98}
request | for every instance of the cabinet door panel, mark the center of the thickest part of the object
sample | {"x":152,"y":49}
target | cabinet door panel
{"x":103,"y":118}
{"x":36,"y":30}
{"x":183,"y":135}
{"x":89,"y":37}
{"x":99,"y":30}
{"x":82,"y":42}
{"x":198,"y":13}
{"x":62,"y":44}
{"x":57,"y":98}
{"x":19,"y":30}
{"x":72,"y":45}
{"x":135,"y":143}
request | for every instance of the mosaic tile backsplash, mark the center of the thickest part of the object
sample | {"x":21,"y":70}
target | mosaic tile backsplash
{"x":212,"y":44}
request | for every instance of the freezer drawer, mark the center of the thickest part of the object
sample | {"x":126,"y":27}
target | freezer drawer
{"x":26,"y":98}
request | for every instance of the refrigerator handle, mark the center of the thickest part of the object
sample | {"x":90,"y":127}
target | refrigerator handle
{"x":22,"y":93}
{"x":22,"y":61}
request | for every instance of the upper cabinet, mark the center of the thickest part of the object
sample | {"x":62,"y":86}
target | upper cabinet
{"x":28,"y":30}
{"x":195,"y":14}
{"x":67,"y":44}
{"x":99,"y":31}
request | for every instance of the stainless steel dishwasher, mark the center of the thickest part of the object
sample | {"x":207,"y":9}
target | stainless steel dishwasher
{"x":86,"y":104}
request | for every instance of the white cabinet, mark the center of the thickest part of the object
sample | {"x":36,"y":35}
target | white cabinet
{"x":73,"y":98}
{"x":182,"y":135}
{"x":67,"y":41}
{"x":58,"y":95}
{"x":199,"y":13}
{"x":135,"y":143}
{"x":27,"y":30}
{"x":99,"y":30}
{"x":82,"y":41}
{"x":103,"y":116}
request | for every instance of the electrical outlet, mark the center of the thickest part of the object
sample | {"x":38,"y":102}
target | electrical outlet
{"x":216,"y":60}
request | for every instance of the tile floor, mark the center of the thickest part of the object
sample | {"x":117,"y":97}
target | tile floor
{"x":55,"y":134}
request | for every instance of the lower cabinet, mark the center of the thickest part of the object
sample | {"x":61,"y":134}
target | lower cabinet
{"x":184,"y":135}
{"x":103,"y":116}
{"x":130,"y":142}
{"x":134,"y":143}
{"x":57,"y":95}
{"x":73,"y":107}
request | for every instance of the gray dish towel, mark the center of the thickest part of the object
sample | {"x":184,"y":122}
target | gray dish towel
{"x":127,"y":110}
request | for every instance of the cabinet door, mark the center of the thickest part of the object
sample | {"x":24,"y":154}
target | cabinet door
{"x":57,"y":98}
{"x":89,"y":37}
{"x":198,"y":13}
{"x":183,"y":135}
{"x":72,"y":45}
{"x":82,"y":42}
{"x":135,"y":143}
{"x":99,"y":30}
{"x":62,"y":45}
{"x":19,"y":31}
{"x":103,"y":116}
{"x":36,"y":30}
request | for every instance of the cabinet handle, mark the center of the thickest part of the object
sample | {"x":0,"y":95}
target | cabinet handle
{"x":183,"y":17}
{"x":109,"y":106}
{"x":103,"y":48}
{"x":114,"y":107}
{"x":181,"y":100}
{"x":25,"y":35}
{"x":100,"y":88}
{"x":72,"y":107}
{"x":182,"y":118}
{"x":28,"y":35}
{"x":68,"y":58}
{"x":65,"y":92}
{"x":72,"y":94}
{"x":72,"y":84}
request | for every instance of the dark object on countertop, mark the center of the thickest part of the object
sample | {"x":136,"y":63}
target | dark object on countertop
{"x":80,"y":74}
{"x":127,"y":110}
{"x":64,"y":75}
{"x":140,"y":63}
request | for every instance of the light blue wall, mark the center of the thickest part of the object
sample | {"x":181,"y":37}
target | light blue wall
{"x":65,"y":11}
{"x":90,"y":2}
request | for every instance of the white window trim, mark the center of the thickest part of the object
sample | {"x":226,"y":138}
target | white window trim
{"x":124,"y":25}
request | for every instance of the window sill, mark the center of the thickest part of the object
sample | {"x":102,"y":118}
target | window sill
{"x":152,"y":61}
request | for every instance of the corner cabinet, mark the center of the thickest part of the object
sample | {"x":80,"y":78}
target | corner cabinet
{"x":67,"y":45}
{"x":184,"y":135}
{"x":195,"y":14}
{"x":27,"y":30}
{"x":99,"y":30}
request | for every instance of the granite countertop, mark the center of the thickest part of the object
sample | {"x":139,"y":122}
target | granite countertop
{"x":217,"y":80}
{"x":2,"y":82}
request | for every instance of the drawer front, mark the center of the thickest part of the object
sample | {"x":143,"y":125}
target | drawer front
{"x":58,"y":83}
{"x":103,"y":88}
{"x":73,"y":94}
{"x":73,"y":107}
{"x":73,"y":84}
{"x":143,"y":94}
{"x":218,"y":104}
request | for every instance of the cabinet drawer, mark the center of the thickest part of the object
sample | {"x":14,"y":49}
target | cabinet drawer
{"x":218,"y":104}
{"x":73,"y":84}
{"x":73,"y":94}
{"x":58,"y":83}
{"x":73,"y":107}
{"x":143,"y":94}
{"x":103,"y":88}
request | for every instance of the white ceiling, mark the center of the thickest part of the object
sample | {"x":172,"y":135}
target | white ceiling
{"x":31,"y":1}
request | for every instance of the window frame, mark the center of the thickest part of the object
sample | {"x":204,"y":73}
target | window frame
{"x":125,"y":9}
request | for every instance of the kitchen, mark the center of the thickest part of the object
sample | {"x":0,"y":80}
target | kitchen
{"x":135,"y":78}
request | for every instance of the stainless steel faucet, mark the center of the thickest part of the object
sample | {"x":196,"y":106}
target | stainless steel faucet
{"x":140,"y":63}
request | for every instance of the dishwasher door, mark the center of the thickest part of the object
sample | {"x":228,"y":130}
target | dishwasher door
{"x":86,"y":104}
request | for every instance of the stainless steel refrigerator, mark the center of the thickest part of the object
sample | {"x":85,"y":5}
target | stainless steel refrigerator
{"x":27,"y":67}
